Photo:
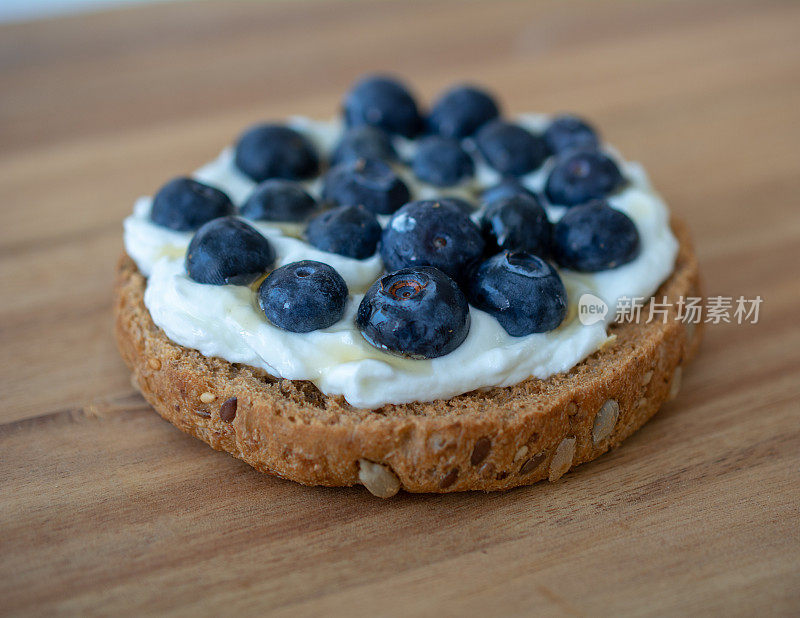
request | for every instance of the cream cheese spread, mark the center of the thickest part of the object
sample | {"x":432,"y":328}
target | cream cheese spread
{"x":225,"y":321}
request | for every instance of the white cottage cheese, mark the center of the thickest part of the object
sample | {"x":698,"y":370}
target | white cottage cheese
{"x":225,"y":321}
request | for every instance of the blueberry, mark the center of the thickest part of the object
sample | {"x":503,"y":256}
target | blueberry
{"x":279,"y":200}
{"x":227,"y":251}
{"x":432,"y":233}
{"x":441,"y":161}
{"x":351,"y":231}
{"x":517,"y":223}
{"x":463,"y":205}
{"x":368,"y":183}
{"x":509,"y":148}
{"x":594,"y":237}
{"x":303,"y":296}
{"x":274,"y":151}
{"x":416,"y":312}
{"x":509,"y":187}
{"x":581,"y":176}
{"x":383,"y":102}
{"x":567,"y":132}
{"x":522,"y":291}
{"x":363,"y":142}
{"x":184,"y":204}
{"x":461,"y":111}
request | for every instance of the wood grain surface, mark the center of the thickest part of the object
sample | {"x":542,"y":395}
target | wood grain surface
{"x":105,"y":509}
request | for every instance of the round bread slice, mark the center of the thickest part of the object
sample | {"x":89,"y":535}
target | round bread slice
{"x":483,"y":440}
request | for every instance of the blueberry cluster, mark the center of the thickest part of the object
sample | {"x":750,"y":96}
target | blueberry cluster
{"x":440,"y":255}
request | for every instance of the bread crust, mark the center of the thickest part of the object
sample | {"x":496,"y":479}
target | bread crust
{"x":483,"y":440}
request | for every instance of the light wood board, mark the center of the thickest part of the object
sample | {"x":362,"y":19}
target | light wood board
{"x":107,"y":509}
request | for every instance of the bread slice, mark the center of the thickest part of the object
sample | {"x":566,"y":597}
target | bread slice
{"x":488,"y":439}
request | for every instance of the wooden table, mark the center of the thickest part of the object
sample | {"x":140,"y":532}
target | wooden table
{"x":107,"y":509}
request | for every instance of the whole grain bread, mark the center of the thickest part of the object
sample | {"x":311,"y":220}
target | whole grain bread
{"x":487,"y":440}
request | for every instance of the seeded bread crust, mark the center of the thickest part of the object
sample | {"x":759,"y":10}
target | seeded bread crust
{"x":483,"y":440}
